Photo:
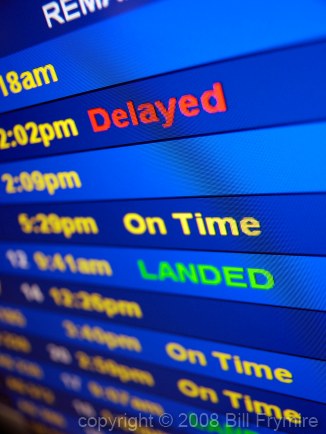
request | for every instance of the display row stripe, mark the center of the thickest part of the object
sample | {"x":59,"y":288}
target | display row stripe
{"x":264,"y":224}
{"x":110,"y":56}
{"x":137,"y":343}
{"x":289,"y":281}
{"x":246,"y":93}
{"x":147,"y":368}
{"x":126,"y":306}
{"x":188,"y":390}
{"x":230,"y":164}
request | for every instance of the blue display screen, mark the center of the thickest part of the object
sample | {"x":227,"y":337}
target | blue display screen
{"x":162,"y":216}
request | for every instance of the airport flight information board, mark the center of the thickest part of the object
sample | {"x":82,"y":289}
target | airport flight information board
{"x":162,"y":215}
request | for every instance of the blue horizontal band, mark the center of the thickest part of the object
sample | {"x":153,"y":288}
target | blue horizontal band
{"x":293,"y":376}
{"x":260,"y":224}
{"x":266,"y":279}
{"x":247,"y":93}
{"x":223,"y":321}
{"x":238,"y":163}
{"x":145,"y":47}
{"x":151,"y":347}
